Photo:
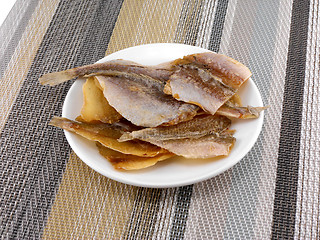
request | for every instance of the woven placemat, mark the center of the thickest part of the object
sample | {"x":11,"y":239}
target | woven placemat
{"x":48,"y":192}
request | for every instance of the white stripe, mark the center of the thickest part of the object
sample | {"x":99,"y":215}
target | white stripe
{"x":206,"y":24}
{"x":165,"y":214}
{"x":307,"y":212}
{"x":227,"y":30}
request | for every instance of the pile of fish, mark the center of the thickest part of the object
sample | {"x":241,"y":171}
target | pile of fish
{"x":139,"y":115}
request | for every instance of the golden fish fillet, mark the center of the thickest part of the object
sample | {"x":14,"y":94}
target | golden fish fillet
{"x":197,"y":127}
{"x":130,"y":162}
{"x":106,"y":68}
{"x":95,"y":106}
{"x":141,"y":100}
{"x":206,"y":79}
{"x":107,"y":135}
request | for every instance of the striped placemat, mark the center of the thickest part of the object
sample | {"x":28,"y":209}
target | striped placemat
{"x":47,"y":192}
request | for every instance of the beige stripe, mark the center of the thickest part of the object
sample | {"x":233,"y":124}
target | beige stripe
{"x":87,"y":204}
{"x":308,"y":213}
{"x":24,"y":53}
{"x":142,"y":22}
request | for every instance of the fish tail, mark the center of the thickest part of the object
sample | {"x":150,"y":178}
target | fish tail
{"x":56,"y":78}
{"x":61,"y":122}
{"x":254,"y":112}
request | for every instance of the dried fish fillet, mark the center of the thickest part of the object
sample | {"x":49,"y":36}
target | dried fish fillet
{"x":130,"y":162}
{"x":208,"y":146}
{"x":240,"y":112}
{"x":231,"y":72}
{"x":107,"y":135}
{"x":107,"y":68}
{"x":197,"y":127}
{"x":206,"y":79}
{"x":95,"y":105}
{"x":198,"y":87}
{"x":141,"y":100}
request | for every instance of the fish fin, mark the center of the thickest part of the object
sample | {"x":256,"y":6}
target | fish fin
{"x":126,"y":137}
{"x":240,"y":112}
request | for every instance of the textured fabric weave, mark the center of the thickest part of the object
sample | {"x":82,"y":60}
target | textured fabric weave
{"x":47,"y":192}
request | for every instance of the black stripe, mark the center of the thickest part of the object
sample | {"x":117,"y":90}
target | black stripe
{"x":181,"y":212}
{"x":289,"y":147}
{"x":184,"y":194}
{"x":216,"y":33}
{"x":5,"y":59}
{"x":34,"y":155}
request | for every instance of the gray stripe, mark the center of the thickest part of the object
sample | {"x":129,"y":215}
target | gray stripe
{"x":33,"y":155}
{"x":284,"y":210}
{"x":15,"y":38}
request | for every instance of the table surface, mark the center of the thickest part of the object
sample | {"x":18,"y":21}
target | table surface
{"x":48,"y":192}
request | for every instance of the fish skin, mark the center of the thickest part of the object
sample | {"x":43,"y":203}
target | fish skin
{"x":197,"y":127}
{"x":199,"y":87}
{"x":204,"y":147}
{"x":206,"y":79}
{"x":107,"y":135}
{"x":233,"y":73}
{"x":141,"y":100}
{"x":110,"y":67}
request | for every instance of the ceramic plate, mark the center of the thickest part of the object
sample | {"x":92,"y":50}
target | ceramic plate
{"x":176,"y":171}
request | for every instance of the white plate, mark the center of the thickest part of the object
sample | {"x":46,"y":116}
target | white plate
{"x":177,"y":171}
